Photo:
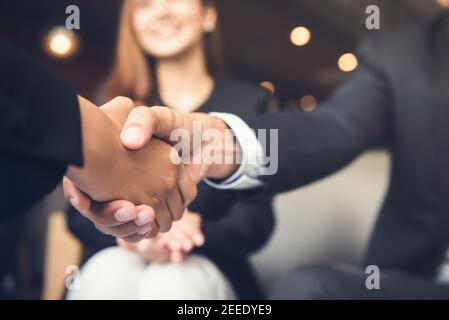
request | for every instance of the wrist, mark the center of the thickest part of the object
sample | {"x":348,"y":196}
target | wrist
{"x":228,"y":148}
{"x":243,"y":175}
{"x":100,"y":140}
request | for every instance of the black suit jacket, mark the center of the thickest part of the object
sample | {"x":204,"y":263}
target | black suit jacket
{"x":39,"y":131}
{"x":398,"y":97}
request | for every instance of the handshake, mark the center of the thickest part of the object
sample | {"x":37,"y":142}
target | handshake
{"x":133,"y":184}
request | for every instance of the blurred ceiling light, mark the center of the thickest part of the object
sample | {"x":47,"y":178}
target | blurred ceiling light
{"x":61,"y":43}
{"x":347,"y":62}
{"x":308,"y":103}
{"x":443,"y":3}
{"x":268,"y":86}
{"x":300,"y":36}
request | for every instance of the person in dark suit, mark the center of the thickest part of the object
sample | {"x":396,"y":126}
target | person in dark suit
{"x":206,"y":254}
{"x":41,"y":139}
{"x":398,"y":98}
{"x":40,"y":132}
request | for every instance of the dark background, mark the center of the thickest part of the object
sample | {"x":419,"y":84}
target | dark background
{"x":256,"y":36}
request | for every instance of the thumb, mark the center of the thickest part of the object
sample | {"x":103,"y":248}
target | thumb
{"x":76,"y":197}
{"x":144,"y":122}
{"x":118,"y":110}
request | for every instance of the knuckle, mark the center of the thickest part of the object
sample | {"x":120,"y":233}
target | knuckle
{"x":152,"y":235}
{"x":154,"y":231}
{"x":101,"y":218}
{"x":124,"y":101}
{"x":166,"y":227}
{"x":178,"y":215}
{"x":122,"y":233}
{"x":154,"y":202}
{"x":171,"y":183}
{"x":141,"y":110}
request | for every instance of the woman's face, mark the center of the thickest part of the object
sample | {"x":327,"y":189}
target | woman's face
{"x":167,"y":28}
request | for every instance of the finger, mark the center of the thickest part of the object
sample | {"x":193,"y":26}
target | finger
{"x":129,"y":229}
{"x":173,"y":240}
{"x":155,"y":253}
{"x":187,"y":188}
{"x":187,"y":244}
{"x":112,"y":214}
{"x":118,"y":109}
{"x":144,"y":122}
{"x":158,"y":242}
{"x":197,"y":172}
{"x":154,"y":230}
{"x":183,"y":237}
{"x":175,"y":204}
{"x":163,"y":218}
{"x":138,"y":128}
{"x":80,"y":201}
{"x":192,"y":218}
{"x":177,"y":257}
{"x":135,"y":238}
{"x":144,"y":245}
{"x":119,"y":103}
{"x":145,"y":215}
{"x":192,"y":224}
{"x":193,"y":232}
{"x":124,"y":230}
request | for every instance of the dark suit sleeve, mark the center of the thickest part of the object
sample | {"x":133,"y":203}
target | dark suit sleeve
{"x":39,"y":130}
{"x":245,"y":228}
{"x":313,"y":145}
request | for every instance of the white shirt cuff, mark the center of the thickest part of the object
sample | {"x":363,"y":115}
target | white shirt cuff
{"x":246,"y":176}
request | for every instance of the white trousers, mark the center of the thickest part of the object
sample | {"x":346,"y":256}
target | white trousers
{"x":115,"y":274}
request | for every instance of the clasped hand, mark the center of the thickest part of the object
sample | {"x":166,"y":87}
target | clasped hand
{"x":137,"y":194}
{"x":127,"y":194}
{"x":172,"y":246}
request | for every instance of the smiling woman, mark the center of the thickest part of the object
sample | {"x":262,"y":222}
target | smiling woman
{"x":151,"y":30}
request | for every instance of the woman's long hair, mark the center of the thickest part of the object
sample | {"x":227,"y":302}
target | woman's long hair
{"x":133,"y":72}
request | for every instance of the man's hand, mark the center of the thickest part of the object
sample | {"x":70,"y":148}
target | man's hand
{"x":172,"y":246}
{"x":144,"y":123}
{"x":138,"y":129}
{"x":144,"y":177}
{"x":184,"y":236}
{"x":117,"y":218}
